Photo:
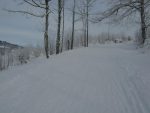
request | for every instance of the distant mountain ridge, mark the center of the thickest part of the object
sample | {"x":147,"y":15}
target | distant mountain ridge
{"x":9,"y":45}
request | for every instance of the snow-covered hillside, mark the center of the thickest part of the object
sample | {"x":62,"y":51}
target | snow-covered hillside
{"x":98,"y":79}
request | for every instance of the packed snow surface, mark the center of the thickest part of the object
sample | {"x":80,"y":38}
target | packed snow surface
{"x":98,"y":79}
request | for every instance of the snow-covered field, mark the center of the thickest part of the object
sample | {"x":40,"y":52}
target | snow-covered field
{"x":99,"y":79}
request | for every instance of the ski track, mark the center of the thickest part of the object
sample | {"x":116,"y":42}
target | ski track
{"x":98,"y":79}
{"x":130,"y":87}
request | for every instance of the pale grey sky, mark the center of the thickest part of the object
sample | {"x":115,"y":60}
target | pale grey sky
{"x":21,"y":29}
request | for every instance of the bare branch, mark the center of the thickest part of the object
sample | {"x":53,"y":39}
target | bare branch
{"x":25,"y":12}
{"x":33,"y":3}
{"x":115,"y":10}
{"x":37,"y":4}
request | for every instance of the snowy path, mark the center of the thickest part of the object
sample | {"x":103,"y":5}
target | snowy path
{"x":98,"y":79}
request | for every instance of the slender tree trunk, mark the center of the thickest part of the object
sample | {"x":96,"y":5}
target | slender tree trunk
{"x":85,"y":32}
{"x":87,"y":26}
{"x":143,"y":27}
{"x":68,"y":44}
{"x":58,"y":29}
{"x":63,"y":24}
{"x":46,"y":30}
{"x":73,"y":21}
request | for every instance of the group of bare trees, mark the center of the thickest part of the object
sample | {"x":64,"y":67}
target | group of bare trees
{"x":122,"y":9}
{"x":81,"y":11}
{"x":45,"y":6}
{"x":84,"y":13}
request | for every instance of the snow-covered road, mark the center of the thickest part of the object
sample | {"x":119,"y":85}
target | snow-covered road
{"x":98,"y":79}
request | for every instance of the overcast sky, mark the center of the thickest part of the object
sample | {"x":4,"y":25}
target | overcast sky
{"x":24,"y":30}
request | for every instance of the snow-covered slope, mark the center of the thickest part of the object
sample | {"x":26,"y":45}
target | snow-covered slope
{"x":98,"y":79}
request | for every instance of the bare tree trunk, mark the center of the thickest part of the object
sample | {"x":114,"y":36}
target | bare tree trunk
{"x":87,"y":25}
{"x":63,"y":24}
{"x":84,"y":26}
{"x":46,"y":29}
{"x":58,"y":29}
{"x":68,"y":44}
{"x":73,"y":21}
{"x":143,"y":27}
{"x":85,"y":34}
